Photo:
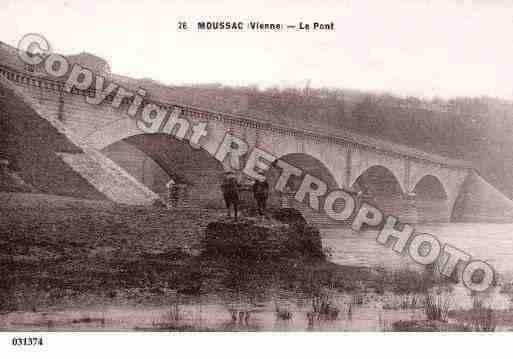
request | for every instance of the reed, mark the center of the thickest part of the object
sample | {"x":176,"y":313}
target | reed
{"x":436,"y":307}
{"x":483,"y":320}
{"x":283,"y":313}
{"x":323,"y":309}
{"x":482,"y":317}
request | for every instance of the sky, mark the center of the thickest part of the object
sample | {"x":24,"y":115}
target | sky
{"x":417,"y":48}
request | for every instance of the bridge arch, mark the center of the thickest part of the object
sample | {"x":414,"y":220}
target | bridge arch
{"x":379,"y":181}
{"x":432,"y":199}
{"x":112,"y":132}
{"x":430,"y":186}
{"x":308,"y":164}
{"x":450,"y":179}
{"x":328,"y":156}
{"x":153,"y":159}
{"x":363,"y":160}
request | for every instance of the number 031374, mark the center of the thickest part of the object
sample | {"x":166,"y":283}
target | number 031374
{"x":34,"y":341}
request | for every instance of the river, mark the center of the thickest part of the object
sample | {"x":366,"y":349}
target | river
{"x":490,"y":242}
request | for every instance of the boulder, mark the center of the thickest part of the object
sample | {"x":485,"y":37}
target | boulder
{"x":261,"y":240}
{"x":289,"y":215}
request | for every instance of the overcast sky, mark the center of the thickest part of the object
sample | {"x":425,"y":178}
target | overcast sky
{"x":420,"y":48}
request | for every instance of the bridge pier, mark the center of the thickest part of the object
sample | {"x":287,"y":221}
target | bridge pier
{"x":407,"y":208}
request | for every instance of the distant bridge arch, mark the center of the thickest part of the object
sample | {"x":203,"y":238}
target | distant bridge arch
{"x":362,"y":161}
{"x":308,"y":164}
{"x":379,"y":180}
{"x":430,"y":186}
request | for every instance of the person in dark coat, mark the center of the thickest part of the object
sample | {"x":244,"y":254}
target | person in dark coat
{"x":230,"y":189}
{"x":172,"y":193}
{"x":261,"y":194}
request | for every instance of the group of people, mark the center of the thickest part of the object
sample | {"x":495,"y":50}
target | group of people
{"x":230,"y":188}
{"x":231,"y":193}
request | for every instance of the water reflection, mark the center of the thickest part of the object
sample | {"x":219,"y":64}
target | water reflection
{"x":486,"y":241}
{"x":365,"y":317}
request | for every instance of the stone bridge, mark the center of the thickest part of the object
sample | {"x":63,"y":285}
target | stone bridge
{"x":411,"y":184}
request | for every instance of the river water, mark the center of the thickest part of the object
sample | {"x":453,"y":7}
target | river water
{"x":490,"y":242}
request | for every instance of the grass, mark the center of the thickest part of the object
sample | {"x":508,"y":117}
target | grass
{"x":357,"y":299}
{"x":409,"y":301}
{"x":404,"y":301}
{"x":484,"y":320}
{"x":436,"y":307}
{"x":175,"y":313}
{"x":283,"y":313}
{"x":242,"y":316}
{"x":323,"y":309}
{"x":171,"y":317}
{"x":482,"y":317}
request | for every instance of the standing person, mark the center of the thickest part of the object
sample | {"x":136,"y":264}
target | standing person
{"x":359,"y":196}
{"x":261,"y":193}
{"x":285,"y":197}
{"x":230,"y":189}
{"x":172,"y":193}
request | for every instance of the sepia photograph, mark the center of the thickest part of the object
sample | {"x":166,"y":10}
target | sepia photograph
{"x":285,"y":166}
